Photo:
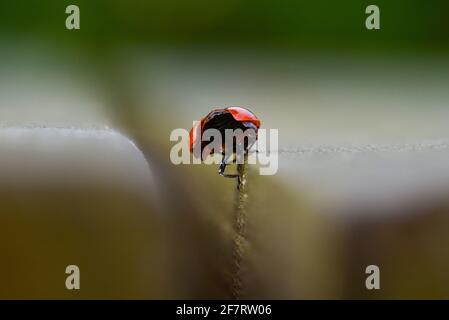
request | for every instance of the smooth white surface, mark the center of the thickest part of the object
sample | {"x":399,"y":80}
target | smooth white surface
{"x":41,"y":155}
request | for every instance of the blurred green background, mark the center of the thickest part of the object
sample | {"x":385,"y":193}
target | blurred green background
{"x":406,"y":25}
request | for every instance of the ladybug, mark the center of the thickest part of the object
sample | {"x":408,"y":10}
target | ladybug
{"x":222,"y":119}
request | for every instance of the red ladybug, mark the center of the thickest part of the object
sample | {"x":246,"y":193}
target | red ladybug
{"x":222,"y":119}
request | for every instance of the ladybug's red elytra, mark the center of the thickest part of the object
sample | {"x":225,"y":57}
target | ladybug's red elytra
{"x":222,"y":119}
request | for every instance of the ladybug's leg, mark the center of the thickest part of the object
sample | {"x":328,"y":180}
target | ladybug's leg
{"x":222,"y":168}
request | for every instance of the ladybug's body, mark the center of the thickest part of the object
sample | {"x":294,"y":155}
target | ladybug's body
{"x":221,"y":119}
